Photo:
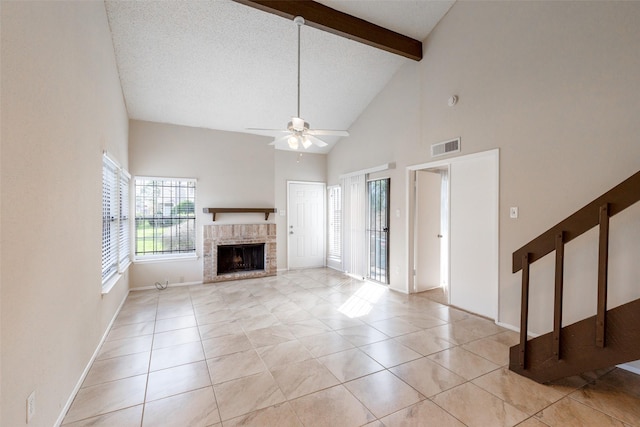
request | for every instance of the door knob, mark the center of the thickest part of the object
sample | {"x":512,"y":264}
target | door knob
{"x":291,"y":232}
{"x":386,"y":229}
{"x":439,"y":236}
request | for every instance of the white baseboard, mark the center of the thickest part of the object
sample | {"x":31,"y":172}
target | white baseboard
{"x":354,"y":276}
{"x":401,"y":291}
{"x":88,"y":367}
{"x":508,"y":326}
{"x":516,"y":329}
{"x":170,"y":285}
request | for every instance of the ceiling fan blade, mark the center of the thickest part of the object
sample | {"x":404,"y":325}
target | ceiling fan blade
{"x":317,"y":141}
{"x":327,"y":132}
{"x":269,"y":130}
{"x":279,"y":140}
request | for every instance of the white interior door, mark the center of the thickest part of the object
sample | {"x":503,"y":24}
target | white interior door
{"x":428,"y":224}
{"x":474,"y":234}
{"x":305,"y":227}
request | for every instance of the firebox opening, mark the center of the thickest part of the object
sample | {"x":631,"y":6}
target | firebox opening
{"x":235,"y":258}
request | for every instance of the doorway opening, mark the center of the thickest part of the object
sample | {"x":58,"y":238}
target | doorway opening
{"x":431,"y":245}
{"x":468,"y":248}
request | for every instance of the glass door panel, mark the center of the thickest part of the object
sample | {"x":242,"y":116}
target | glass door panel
{"x":378,"y":229}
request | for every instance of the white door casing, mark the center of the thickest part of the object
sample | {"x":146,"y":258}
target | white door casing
{"x":306,"y":224}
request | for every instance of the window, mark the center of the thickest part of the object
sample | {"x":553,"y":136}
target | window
{"x":334,"y":247}
{"x":165,"y":217}
{"x":115,"y":218}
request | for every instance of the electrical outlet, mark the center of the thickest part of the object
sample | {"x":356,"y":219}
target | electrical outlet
{"x":31,"y":406}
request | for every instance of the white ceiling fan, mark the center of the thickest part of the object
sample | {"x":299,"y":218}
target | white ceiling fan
{"x":298,"y":132}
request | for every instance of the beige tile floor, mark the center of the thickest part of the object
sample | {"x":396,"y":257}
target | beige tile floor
{"x":316,"y":348}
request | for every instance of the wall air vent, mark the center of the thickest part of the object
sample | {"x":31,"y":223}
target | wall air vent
{"x":445,"y":147}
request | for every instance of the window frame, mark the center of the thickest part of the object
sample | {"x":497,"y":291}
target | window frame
{"x":116,"y":245}
{"x":173,"y":255}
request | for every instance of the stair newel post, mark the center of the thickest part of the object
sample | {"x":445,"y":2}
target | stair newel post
{"x":603,"y":264}
{"x":557,"y":304}
{"x":524,"y":311}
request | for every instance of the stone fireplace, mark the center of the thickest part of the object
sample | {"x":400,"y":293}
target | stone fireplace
{"x":239,"y":251}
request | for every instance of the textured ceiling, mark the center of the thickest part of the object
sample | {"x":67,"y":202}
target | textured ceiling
{"x":222,"y":65}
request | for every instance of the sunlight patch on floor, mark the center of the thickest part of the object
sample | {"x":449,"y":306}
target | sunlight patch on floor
{"x":363,"y":300}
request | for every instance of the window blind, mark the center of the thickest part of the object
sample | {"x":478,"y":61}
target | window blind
{"x":354,"y":208}
{"x":334,"y":246}
{"x":115,"y":218}
{"x":109,"y":219}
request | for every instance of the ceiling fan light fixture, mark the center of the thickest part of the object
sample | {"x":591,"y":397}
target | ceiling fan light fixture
{"x":306,"y":143}
{"x":293,"y":142}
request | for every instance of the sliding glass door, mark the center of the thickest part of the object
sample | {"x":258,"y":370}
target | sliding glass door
{"x":378,"y":229}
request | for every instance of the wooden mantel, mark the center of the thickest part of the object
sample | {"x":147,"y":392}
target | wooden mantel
{"x":265,"y":211}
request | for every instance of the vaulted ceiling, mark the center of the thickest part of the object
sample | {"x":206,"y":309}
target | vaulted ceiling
{"x":224,"y":65}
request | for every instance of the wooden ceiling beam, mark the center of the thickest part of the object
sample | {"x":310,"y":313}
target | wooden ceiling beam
{"x":324,"y":18}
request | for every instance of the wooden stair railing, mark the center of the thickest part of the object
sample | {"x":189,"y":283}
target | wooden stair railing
{"x":596,"y":213}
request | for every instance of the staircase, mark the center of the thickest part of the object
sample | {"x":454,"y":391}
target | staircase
{"x":611,"y":336}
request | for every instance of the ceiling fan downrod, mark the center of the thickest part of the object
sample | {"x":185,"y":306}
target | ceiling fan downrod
{"x":299,"y":21}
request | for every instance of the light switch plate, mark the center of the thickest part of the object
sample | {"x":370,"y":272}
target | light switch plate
{"x":513,"y":212}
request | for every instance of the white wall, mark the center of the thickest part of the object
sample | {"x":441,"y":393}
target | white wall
{"x":387,"y":131}
{"x":232,"y":169}
{"x":61,"y":107}
{"x":553,"y":85}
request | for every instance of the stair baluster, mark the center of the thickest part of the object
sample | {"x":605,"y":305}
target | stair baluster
{"x":524,"y":313}
{"x":603,"y":262}
{"x":557,"y":303}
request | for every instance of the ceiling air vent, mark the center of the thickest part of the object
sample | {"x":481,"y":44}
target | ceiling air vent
{"x":445,"y":147}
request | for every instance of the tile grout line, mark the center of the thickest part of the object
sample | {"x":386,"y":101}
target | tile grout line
{"x":146,"y":387}
{"x":215,"y":397}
